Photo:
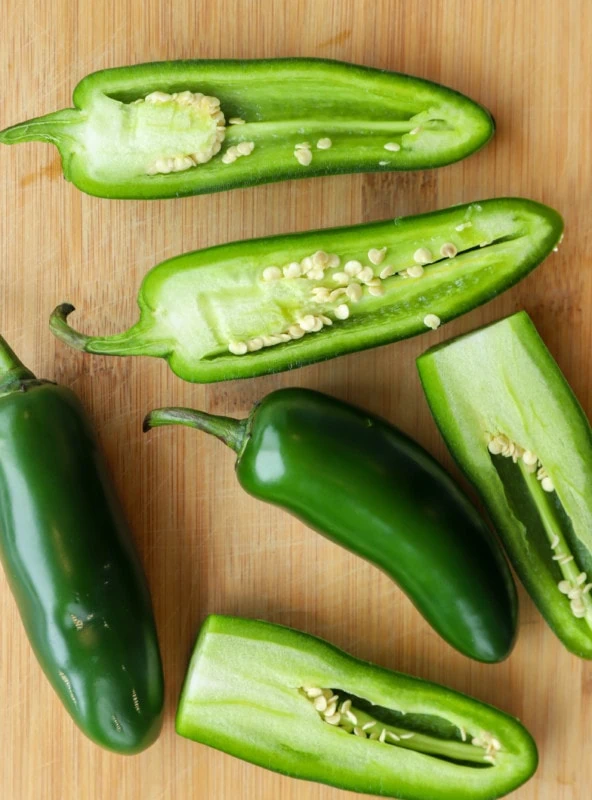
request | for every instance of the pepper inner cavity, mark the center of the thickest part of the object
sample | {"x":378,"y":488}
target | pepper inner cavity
{"x":323,"y":288}
{"x":428,"y":735}
{"x":574,"y":581}
{"x":175,"y":131}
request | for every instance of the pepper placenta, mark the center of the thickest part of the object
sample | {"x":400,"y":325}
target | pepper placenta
{"x":71,"y":564}
{"x":187,"y":127}
{"x":367,"y":486}
{"x":295,"y":704}
{"x":265,"y":305}
{"x":517,"y":431}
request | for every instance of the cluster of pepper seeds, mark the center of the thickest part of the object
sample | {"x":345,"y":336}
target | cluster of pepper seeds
{"x":341,"y":715}
{"x":501,"y":445}
{"x":574,"y":584}
{"x":203,"y":105}
{"x":350,"y":283}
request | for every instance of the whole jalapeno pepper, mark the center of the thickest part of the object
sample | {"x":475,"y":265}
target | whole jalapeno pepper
{"x":367,"y":486}
{"x":72,"y":566}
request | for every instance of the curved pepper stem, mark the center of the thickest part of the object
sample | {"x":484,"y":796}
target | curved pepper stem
{"x":230,"y":431}
{"x":12,"y":370}
{"x":139,"y":340}
{"x":49,"y":128}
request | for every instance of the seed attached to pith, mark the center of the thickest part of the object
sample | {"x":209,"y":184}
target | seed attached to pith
{"x":238,"y":348}
{"x":448,"y":250}
{"x":272,"y":273}
{"x":236,"y":121}
{"x":376,"y":255}
{"x":342,"y":311}
{"x":320,"y":703}
{"x":387,"y":272}
{"x":324,"y":144}
{"x":416,"y":271}
{"x":292,"y":270}
{"x":303,"y":156}
{"x":341,"y":278}
{"x":354,"y":292}
{"x":392,"y":146}
{"x":463,"y":225}
{"x":366,"y":274}
{"x":352,"y":268}
{"x":432,"y":321}
{"x":335,"y":719}
{"x":422,"y":256}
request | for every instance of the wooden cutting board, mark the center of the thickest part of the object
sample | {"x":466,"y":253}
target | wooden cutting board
{"x":206,"y":546}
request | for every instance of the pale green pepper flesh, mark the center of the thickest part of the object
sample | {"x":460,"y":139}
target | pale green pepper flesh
{"x":251,"y":688}
{"x":197,"y":308}
{"x":502,"y":380}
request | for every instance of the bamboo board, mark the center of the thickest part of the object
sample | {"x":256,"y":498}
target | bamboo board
{"x":206,"y":546}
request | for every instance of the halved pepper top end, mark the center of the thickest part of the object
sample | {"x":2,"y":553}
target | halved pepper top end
{"x":295,"y":704}
{"x":177,"y":128}
{"x":516,"y":429}
{"x":265,"y":305}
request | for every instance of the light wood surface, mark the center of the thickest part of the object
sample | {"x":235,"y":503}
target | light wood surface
{"x":206,"y":546}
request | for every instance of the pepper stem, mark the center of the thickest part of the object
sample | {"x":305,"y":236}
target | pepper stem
{"x":139,"y":340}
{"x":49,"y":128}
{"x":12,"y":369}
{"x":230,"y":431}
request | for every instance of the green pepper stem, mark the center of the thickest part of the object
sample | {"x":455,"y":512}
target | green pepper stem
{"x":557,"y":541}
{"x":49,"y":128}
{"x":12,"y":370}
{"x":139,"y":340}
{"x":230,"y":431}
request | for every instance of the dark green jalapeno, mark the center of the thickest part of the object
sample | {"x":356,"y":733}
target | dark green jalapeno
{"x":71,"y":564}
{"x":367,"y":486}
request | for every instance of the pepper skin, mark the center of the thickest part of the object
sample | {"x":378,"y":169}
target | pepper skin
{"x":365,"y":485}
{"x":520,"y":436}
{"x":176,"y":128}
{"x":231,"y":311}
{"x":71,"y":564}
{"x":250,"y":691}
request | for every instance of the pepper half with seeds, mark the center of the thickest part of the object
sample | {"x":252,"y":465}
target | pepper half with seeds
{"x":365,"y":485}
{"x":516,"y":429}
{"x":250,"y":308}
{"x":188,"y":127}
{"x":297,"y":705}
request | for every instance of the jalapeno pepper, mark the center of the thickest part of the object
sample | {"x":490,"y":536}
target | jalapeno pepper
{"x":71,"y":564}
{"x":295,"y":704}
{"x":367,"y":486}
{"x":188,"y":127}
{"x":516,"y":429}
{"x":250,"y":308}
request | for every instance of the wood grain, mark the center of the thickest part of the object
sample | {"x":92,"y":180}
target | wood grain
{"x":206,"y":546}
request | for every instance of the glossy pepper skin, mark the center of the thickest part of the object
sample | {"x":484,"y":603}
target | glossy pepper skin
{"x":195,"y":308}
{"x":502,"y":380}
{"x":365,"y":485}
{"x":250,"y":688}
{"x":71,"y":564}
{"x":113,"y":138}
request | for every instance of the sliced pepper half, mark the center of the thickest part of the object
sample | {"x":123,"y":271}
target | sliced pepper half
{"x":516,"y":429}
{"x":187,"y":127}
{"x":266,"y":305}
{"x":295,"y":704}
